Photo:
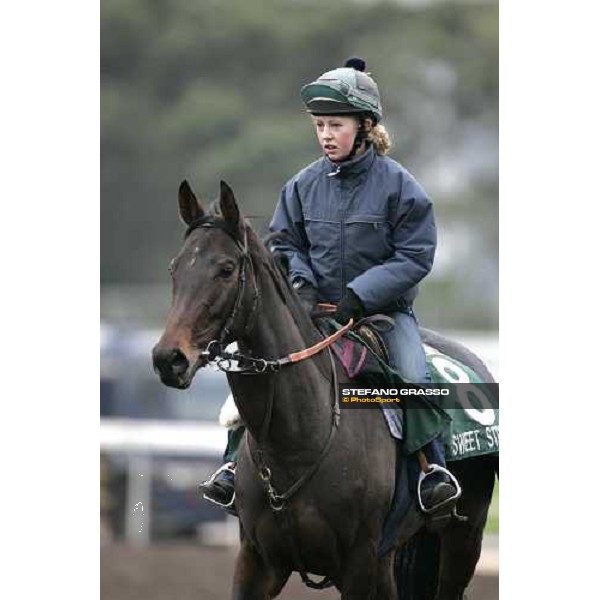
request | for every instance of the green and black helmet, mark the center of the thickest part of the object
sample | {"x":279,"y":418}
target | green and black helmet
{"x":347,"y":89}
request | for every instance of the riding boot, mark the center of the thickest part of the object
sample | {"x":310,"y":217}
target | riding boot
{"x":234,"y":439}
{"x":434,"y":495}
{"x":438,"y":491}
{"x":219,"y":488}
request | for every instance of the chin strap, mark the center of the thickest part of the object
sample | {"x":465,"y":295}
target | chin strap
{"x":361,"y":136}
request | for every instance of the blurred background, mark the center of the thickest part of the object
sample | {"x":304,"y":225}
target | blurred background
{"x":208,"y":90}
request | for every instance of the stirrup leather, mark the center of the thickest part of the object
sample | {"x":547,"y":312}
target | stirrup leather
{"x":433,"y":468}
{"x":230,"y":468}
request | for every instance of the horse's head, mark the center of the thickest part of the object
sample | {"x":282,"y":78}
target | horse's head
{"x":213,"y":286}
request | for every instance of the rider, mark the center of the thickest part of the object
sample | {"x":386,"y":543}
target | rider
{"x":361,"y":234}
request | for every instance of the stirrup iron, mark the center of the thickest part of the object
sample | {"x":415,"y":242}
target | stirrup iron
{"x":230,"y":468}
{"x":433,"y":468}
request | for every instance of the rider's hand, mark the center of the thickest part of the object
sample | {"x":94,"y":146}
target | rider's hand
{"x":307,"y":293}
{"x":350,"y":307}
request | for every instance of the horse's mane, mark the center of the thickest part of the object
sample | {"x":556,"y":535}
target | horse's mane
{"x":276,"y":264}
{"x":280,"y":258}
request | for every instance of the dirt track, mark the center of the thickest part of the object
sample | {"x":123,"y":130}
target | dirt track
{"x":172,"y":571}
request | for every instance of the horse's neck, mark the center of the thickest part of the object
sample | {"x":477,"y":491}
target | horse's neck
{"x":300,"y":394}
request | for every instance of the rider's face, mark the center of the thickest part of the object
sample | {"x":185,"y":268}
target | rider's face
{"x":336,"y":135}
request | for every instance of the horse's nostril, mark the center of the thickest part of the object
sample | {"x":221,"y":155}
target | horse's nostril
{"x":169,"y":362}
{"x":179,"y":363}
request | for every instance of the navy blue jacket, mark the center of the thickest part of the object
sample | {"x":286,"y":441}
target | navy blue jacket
{"x":366,"y":224}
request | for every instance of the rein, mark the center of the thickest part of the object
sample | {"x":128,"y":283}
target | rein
{"x":279,"y":502}
{"x":249,"y":365}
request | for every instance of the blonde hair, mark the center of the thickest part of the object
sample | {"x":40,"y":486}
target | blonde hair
{"x":380,"y":139}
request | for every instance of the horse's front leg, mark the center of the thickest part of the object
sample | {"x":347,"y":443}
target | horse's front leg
{"x":253,"y":579}
{"x":361,"y":572}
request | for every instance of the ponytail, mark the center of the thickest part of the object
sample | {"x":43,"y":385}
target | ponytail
{"x":380,"y":139}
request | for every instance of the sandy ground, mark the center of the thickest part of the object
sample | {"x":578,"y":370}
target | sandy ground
{"x":185,"y":571}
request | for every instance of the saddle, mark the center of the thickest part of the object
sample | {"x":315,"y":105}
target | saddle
{"x":370,"y":333}
{"x":362,"y":350}
{"x":364,"y":358}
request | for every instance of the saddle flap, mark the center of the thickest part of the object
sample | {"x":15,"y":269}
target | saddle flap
{"x":360,"y":350}
{"x":370,"y":335}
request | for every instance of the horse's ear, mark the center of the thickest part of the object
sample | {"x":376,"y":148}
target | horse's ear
{"x":190,"y":209}
{"x":229,"y":207}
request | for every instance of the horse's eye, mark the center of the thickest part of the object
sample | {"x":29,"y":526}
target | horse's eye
{"x":226,"y":271}
{"x":171,"y":267}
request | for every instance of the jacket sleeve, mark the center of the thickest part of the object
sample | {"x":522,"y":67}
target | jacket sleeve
{"x":289,"y":220}
{"x":414,"y":239}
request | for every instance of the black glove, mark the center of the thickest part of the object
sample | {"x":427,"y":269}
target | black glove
{"x":349,"y":307}
{"x":307,"y":293}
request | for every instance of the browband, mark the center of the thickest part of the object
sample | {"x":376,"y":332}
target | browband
{"x":212,"y":221}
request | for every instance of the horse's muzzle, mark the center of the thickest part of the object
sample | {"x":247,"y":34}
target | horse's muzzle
{"x":172,"y":365}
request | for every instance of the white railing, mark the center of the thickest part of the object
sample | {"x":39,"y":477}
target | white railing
{"x":141,"y":441}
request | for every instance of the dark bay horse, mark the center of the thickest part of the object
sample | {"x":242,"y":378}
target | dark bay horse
{"x":313,"y":487}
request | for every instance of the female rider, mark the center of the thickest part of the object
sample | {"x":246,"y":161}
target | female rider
{"x":361,"y":234}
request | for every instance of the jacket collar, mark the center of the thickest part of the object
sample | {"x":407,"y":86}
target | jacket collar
{"x":353,"y":167}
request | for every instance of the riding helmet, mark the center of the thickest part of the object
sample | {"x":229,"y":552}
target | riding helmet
{"x":347,"y":89}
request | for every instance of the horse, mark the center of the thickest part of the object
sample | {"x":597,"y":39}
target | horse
{"x":313,"y":484}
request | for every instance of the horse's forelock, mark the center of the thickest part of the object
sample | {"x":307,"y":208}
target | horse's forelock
{"x":214,"y":210}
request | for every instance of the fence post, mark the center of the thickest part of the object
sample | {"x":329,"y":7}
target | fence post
{"x":138,"y":509}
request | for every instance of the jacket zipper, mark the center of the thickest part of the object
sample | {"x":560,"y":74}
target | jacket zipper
{"x":342,"y":238}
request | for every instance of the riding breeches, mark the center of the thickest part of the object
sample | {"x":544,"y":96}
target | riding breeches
{"x":405,"y":348}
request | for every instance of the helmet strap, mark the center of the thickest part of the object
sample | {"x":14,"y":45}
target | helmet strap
{"x":359,"y":138}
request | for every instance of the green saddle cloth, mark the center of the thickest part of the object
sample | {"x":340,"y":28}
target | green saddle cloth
{"x":474,"y":421}
{"x":468,"y":428}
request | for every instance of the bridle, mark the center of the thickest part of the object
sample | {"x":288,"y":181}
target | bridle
{"x":248,"y":365}
{"x":215,"y":347}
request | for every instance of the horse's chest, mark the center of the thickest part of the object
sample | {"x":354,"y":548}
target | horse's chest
{"x":303,"y":529}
